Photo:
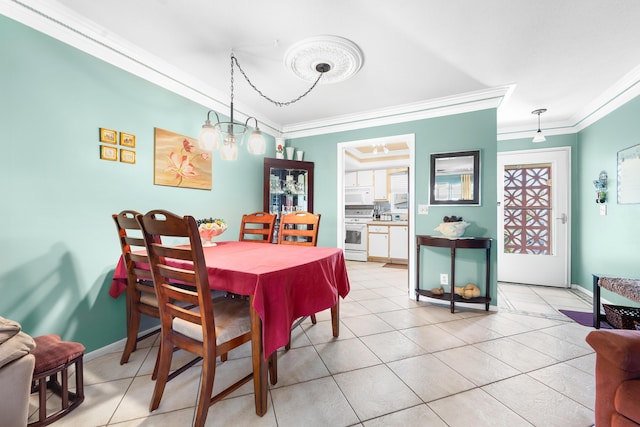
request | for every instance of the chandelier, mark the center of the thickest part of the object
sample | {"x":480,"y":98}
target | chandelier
{"x":232,"y":133}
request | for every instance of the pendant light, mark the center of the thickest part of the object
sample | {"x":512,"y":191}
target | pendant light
{"x":539,"y":137}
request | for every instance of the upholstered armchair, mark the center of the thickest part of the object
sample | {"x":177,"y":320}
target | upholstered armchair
{"x":617,"y":377}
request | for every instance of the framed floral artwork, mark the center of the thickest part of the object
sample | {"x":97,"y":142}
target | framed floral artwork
{"x":180,"y":162}
{"x":127,"y":156}
{"x":109,"y":136}
{"x":127,"y":140}
{"x":108,"y":153}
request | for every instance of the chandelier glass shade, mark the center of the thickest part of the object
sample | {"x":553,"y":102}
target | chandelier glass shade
{"x":539,"y":137}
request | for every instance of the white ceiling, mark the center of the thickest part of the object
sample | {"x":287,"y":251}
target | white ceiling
{"x":572,"y":57}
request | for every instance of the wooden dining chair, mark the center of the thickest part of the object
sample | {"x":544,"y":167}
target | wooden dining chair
{"x":257,"y":227}
{"x":299,"y":228}
{"x":140,"y":294}
{"x":212,"y":328}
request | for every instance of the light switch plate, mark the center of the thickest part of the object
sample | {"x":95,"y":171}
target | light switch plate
{"x":423,"y":209}
{"x":603,"y":210}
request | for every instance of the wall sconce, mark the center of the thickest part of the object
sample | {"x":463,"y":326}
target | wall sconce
{"x":601,"y":187}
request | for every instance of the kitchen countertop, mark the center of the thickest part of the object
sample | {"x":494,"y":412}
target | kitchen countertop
{"x":376,"y":222}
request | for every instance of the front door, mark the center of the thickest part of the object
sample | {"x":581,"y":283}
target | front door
{"x":534,"y":220}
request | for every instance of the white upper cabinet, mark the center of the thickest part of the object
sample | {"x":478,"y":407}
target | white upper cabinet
{"x":380,"y":184}
{"x":350,"y":179}
{"x":365,"y":178}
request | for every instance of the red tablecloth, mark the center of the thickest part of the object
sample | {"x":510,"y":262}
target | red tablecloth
{"x":286,"y":281}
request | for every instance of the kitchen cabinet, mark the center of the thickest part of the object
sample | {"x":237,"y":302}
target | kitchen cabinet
{"x":358,"y":179}
{"x":399,"y":243}
{"x":350,"y":179}
{"x":365,"y":178}
{"x":287,"y":187}
{"x":380,"y":184}
{"x":378,"y":243}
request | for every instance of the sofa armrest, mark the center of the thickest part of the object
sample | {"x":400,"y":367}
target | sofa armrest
{"x":15,"y":389}
{"x":619,"y":347}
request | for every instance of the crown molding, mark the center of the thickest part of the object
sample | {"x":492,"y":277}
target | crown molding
{"x":463,"y":103}
{"x":63,"y":24}
{"x":621,"y":92}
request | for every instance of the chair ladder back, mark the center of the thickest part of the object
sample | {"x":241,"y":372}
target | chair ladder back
{"x":257,"y":227}
{"x":299,"y":228}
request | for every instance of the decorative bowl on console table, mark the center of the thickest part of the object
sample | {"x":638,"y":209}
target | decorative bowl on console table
{"x":452,"y":229}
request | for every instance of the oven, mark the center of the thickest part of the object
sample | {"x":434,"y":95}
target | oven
{"x":355,"y":232}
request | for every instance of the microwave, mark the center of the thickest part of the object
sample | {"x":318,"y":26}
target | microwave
{"x":358,"y":196}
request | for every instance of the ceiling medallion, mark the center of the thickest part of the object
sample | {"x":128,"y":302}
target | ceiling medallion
{"x":343,"y":57}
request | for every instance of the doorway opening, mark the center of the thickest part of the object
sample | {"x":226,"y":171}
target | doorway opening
{"x":378,"y":157}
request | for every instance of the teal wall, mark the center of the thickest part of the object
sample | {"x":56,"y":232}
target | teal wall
{"x":58,"y":243}
{"x":461,"y":132}
{"x":606,"y":244}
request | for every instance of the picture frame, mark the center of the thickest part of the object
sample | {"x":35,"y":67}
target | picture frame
{"x":455,"y":178}
{"x":127,"y":156}
{"x":108,"y":153}
{"x":109,"y":136}
{"x":127,"y":140}
{"x":180,"y":162}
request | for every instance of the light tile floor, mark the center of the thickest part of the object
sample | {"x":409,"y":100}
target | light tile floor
{"x":397,"y":362}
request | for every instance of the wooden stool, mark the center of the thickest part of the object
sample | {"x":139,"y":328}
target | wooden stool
{"x":52,"y":356}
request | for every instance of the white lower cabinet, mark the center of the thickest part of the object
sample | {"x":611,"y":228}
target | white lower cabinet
{"x":399,"y":242}
{"x":378,"y":241}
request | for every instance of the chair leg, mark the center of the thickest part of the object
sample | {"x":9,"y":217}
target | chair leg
{"x":154,"y":375}
{"x":133,"y":325}
{"x":206,"y":388}
{"x":165,"y":355}
{"x":313,"y":319}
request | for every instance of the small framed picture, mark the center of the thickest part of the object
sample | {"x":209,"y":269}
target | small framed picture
{"x":108,"y":135}
{"x":127,"y":156}
{"x":108,"y":153}
{"x":127,"y":140}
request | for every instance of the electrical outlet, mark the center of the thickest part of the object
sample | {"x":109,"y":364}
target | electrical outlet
{"x":423,"y":209}
{"x":444,"y":279}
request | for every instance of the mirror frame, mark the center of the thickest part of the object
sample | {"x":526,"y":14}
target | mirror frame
{"x":628,"y":173}
{"x":475,"y":154}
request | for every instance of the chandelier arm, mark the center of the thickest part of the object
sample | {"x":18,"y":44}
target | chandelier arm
{"x":211,"y":111}
{"x":277,"y":103}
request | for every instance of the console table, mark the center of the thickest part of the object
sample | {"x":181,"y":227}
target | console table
{"x":453,"y":244}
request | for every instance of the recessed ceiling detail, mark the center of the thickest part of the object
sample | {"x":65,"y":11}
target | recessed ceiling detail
{"x":342,"y":55}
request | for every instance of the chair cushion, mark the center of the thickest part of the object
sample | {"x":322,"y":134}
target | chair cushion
{"x":231,"y":317}
{"x":51,"y":351}
{"x":626,"y":399}
{"x":148,"y":299}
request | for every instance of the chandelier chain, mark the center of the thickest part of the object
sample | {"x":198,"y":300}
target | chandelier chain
{"x":277,"y":103}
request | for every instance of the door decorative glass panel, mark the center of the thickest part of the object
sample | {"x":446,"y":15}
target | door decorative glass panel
{"x":527,"y":209}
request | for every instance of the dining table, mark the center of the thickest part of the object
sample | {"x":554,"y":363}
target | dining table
{"x":283,"y":283}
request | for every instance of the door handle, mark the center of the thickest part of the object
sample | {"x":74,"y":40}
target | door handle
{"x":563,"y":218}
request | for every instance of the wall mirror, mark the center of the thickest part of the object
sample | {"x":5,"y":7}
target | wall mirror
{"x":629,"y":175}
{"x":455,"y":178}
